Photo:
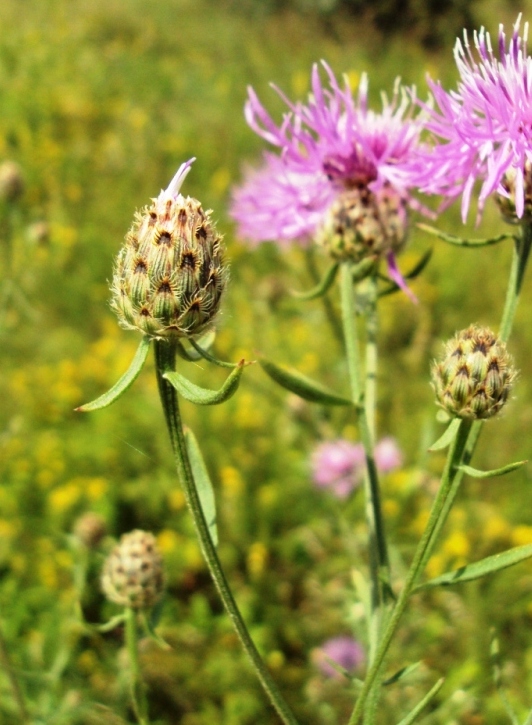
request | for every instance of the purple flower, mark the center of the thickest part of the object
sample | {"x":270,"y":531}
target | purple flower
{"x":388,"y":455}
{"x":339,"y":466}
{"x":345,"y":651}
{"x":485,"y":126}
{"x":331,"y":144}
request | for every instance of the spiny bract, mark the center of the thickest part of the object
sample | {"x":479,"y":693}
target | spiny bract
{"x":475,"y":377}
{"x":170,"y":273}
{"x":133,"y":573}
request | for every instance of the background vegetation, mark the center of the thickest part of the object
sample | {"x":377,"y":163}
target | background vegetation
{"x":100,"y":103}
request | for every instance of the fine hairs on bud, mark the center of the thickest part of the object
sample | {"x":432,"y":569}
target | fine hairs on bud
{"x":170,"y":274}
{"x":133,"y":574}
{"x":474,"y":379}
{"x":362,"y":224}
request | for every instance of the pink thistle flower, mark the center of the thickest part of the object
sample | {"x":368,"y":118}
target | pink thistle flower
{"x":325,"y":147}
{"x":485,"y":126}
{"x":345,"y":651}
{"x":388,"y":455}
{"x":339,"y":466}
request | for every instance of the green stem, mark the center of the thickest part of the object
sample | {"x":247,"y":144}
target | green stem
{"x":18,"y":696}
{"x":378,"y":553}
{"x":371,"y":356}
{"x":328,"y":307}
{"x":425,"y":545}
{"x":138,"y":691}
{"x":165,"y":355}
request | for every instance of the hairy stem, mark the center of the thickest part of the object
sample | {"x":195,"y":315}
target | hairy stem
{"x":138,"y":690}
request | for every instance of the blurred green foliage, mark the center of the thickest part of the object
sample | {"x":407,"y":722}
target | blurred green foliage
{"x":100,"y":103}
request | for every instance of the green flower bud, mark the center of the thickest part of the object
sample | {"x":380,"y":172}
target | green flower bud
{"x":170,"y":274}
{"x":475,"y":377}
{"x":506,"y":202}
{"x":362,"y":224}
{"x":133,"y":572}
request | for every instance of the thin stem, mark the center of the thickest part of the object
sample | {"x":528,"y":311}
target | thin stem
{"x":18,"y":696}
{"x":425,"y":545}
{"x":138,"y":691}
{"x":328,"y":307}
{"x":165,"y":361}
{"x":371,"y":355}
{"x":378,"y":553}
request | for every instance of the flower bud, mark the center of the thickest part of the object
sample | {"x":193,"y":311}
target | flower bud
{"x":89,"y":529}
{"x":170,"y":273}
{"x":506,"y":201}
{"x":11,"y":181}
{"x":362,"y":224}
{"x":475,"y":377}
{"x":133,"y":572}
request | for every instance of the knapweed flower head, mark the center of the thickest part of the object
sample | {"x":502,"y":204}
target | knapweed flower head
{"x":170,"y":274}
{"x":339,"y":465}
{"x":133,"y":573}
{"x":341,"y":172}
{"x":484,"y":127}
{"x":345,"y":651}
{"x":475,"y":376}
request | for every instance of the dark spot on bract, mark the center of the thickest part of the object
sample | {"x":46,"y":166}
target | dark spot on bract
{"x":165,"y":238}
{"x":141,"y":267}
{"x":201,"y":233}
{"x":145,"y":312}
{"x":165,"y":288}
{"x":182,"y":216}
{"x":188,"y":260}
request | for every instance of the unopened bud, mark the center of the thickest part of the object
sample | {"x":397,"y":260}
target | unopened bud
{"x":133,"y":572}
{"x":475,"y":377}
{"x":506,"y":201}
{"x":170,"y":274}
{"x":11,"y":180}
{"x":90,"y":528}
{"x":364,"y":224}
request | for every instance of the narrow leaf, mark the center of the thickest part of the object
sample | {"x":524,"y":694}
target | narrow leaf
{"x":475,"y":473}
{"x":207,"y":356}
{"x":205,"y":396}
{"x":362,"y":269}
{"x":409,"y":719}
{"x":301,"y":385}
{"x":481,"y":568}
{"x":203,"y":483}
{"x":447,"y":438}
{"x":402,"y":673}
{"x":495,"y":657}
{"x":321,"y":288}
{"x":458,"y":241}
{"x":125,"y":382}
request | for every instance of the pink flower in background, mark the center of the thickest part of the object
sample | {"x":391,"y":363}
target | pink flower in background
{"x":388,"y":455}
{"x":339,"y":466}
{"x":484,"y":128}
{"x":330,"y":144}
{"x":345,"y":651}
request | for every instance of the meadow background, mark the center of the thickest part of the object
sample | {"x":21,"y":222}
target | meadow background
{"x":99,"y":105}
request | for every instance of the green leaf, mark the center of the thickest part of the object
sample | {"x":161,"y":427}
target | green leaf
{"x":475,"y":473}
{"x":301,"y":385}
{"x":205,"y":396}
{"x":481,"y":568}
{"x":125,"y":382}
{"x":207,"y":356}
{"x":402,"y":673}
{"x":458,"y":241}
{"x":321,"y":288}
{"x":203,"y":483}
{"x":362,"y":269}
{"x":448,"y":436}
{"x":409,"y":719}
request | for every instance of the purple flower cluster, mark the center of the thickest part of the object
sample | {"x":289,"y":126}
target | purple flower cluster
{"x":345,"y":651}
{"x":331,"y":143}
{"x":339,"y":465}
{"x":484,"y":128}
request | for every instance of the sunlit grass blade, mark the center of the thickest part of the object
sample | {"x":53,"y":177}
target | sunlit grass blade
{"x":481,"y":568}
{"x":445,"y":440}
{"x":321,"y":288}
{"x":459,"y":241}
{"x":203,"y":483}
{"x":409,"y":719}
{"x":301,"y":385}
{"x":205,"y":396}
{"x":125,"y":382}
{"x":401,"y":674}
{"x":475,"y":473}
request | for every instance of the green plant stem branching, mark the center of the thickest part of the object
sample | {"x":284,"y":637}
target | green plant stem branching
{"x":165,"y":356}
{"x":425,"y":546}
{"x":378,"y":553}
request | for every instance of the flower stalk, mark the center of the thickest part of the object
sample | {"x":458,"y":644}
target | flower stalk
{"x":165,"y":355}
{"x":137,"y":688}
